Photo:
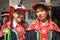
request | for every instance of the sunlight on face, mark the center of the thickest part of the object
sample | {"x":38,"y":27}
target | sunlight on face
{"x":19,"y":16}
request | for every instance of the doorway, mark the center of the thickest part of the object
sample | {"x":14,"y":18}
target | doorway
{"x":56,"y":15}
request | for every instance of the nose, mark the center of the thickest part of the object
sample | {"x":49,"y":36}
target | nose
{"x":40,"y":13}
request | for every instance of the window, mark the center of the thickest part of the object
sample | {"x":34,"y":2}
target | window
{"x":32,"y":15}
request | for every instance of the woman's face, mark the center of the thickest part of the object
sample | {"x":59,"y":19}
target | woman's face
{"x":41,"y":14}
{"x":19,"y":16}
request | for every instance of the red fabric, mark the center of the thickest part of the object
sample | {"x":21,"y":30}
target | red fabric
{"x":1,"y":33}
{"x":4,"y":26}
{"x":19,"y":29}
{"x":44,"y":28}
{"x":23,"y":24}
{"x":10,"y":12}
{"x":41,"y":3}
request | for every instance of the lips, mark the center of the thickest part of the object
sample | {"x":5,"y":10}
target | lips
{"x":40,"y":16}
{"x":19,"y":18}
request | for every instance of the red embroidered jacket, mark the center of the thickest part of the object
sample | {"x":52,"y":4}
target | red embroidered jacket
{"x":44,"y":28}
{"x":19,"y":28}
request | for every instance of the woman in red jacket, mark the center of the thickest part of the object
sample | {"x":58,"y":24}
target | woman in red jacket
{"x":43,"y":22}
{"x":18,"y":23}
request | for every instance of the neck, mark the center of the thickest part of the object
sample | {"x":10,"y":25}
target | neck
{"x":43,"y":21}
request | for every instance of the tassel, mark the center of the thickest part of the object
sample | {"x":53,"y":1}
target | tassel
{"x":8,"y":33}
{"x":40,"y":35}
{"x":4,"y":36}
{"x":10,"y":12}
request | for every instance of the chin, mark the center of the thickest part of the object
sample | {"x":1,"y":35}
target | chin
{"x":19,"y":20}
{"x":41,"y":19}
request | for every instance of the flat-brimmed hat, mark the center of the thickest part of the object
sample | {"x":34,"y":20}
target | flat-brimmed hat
{"x":34,"y":6}
{"x":20,"y":8}
{"x":5,"y":15}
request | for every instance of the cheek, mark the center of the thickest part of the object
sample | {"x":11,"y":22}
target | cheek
{"x":22,"y":16}
{"x":15,"y":15}
{"x":44,"y":13}
{"x":37,"y":14}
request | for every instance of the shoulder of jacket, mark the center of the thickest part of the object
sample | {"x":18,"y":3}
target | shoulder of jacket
{"x":33,"y":23}
{"x":54,"y":23}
